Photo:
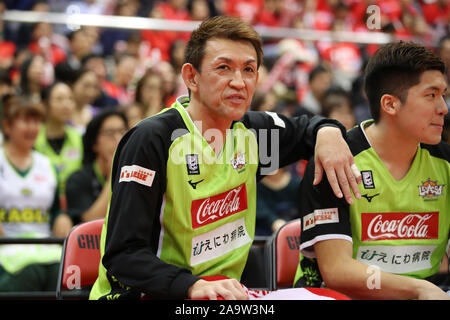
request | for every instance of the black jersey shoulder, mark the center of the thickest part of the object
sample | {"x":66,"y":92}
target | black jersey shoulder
{"x":165,"y":125}
{"x":440,"y":150}
{"x":357,"y":141}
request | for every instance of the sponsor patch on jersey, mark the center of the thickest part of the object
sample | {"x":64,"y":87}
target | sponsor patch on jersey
{"x":399,"y":225}
{"x":137,"y":174}
{"x":238,"y":161}
{"x":397,"y":259}
{"x":73,"y":153}
{"x":208,"y":210}
{"x":430,"y":190}
{"x":320,"y":216}
{"x":192,"y":164}
{"x":220,"y":241}
{"x":367,"y":179}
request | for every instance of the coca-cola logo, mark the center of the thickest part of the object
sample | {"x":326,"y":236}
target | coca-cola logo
{"x":399,"y":225}
{"x":207,"y":210}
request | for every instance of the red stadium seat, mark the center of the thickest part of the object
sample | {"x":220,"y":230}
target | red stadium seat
{"x":79,"y":260}
{"x":282,"y":251}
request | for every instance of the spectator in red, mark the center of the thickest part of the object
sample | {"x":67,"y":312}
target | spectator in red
{"x":318,"y":14}
{"x":162,"y":40}
{"x":344,"y":57}
{"x":436,"y":12}
{"x":42,"y":43}
{"x":271,"y":13}
{"x":247,"y":10}
{"x":7,"y":48}
{"x":120,"y":87}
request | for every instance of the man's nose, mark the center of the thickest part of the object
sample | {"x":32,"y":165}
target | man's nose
{"x":237,"y":81}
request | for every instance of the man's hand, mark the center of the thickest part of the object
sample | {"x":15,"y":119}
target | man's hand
{"x":229,"y":289}
{"x":333,"y":155}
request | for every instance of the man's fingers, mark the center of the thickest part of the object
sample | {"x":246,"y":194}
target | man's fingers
{"x":229,"y":289}
{"x":318,"y":172}
{"x":236,"y":290}
{"x":333,"y":181}
{"x":344,"y":184}
{"x":355,"y":179}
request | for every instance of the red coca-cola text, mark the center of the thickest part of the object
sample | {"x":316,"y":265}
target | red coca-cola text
{"x":207,"y":210}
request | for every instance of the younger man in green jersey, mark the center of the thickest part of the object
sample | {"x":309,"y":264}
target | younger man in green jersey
{"x":386,"y":244}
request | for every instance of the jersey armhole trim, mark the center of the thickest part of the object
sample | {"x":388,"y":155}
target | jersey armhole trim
{"x":306,"y":246}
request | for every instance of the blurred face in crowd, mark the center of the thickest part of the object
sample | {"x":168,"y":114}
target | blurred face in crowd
{"x":200,"y":10}
{"x":83,"y":41}
{"x":152,"y":90}
{"x":61,"y":103}
{"x":168,"y":77}
{"x":111,"y":131}
{"x":125,"y":70}
{"x":22,"y":130}
{"x":42,"y":29}
{"x":97,"y":64}
{"x":320,"y":83}
{"x":134,"y":114}
{"x":178,"y":4}
{"x":127,"y":8}
{"x":86,"y":89}
{"x":36,"y":70}
{"x":445,"y":52}
{"x":344,"y":114}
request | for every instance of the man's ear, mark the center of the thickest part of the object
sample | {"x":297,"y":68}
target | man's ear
{"x":189,"y":75}
{"x":390,"y":104}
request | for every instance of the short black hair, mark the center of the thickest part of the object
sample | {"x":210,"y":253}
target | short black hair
{"x":395,"y":68}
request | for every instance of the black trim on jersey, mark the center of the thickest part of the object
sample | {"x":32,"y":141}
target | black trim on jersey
{"x":322,"y":196}
{"x":296,"y":140}
{"x":441,"y":150}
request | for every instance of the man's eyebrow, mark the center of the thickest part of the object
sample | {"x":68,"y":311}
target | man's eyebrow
{"x":434,"y":88}
{"x":251,"y":60}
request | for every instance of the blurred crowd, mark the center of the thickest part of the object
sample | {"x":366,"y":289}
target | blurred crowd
{"x":95,"y":83}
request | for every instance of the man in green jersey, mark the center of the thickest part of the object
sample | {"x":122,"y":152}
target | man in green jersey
{"x":183,"y":188}
{"x":386,"y":244}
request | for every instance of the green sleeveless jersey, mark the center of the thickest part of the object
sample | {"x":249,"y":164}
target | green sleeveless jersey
{"x":181,"y":208}
{"x":401,"y":226}
{"x":69,"y":159}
